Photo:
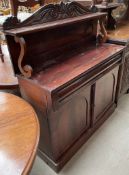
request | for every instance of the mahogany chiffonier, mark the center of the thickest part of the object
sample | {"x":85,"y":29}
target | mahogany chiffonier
{"x":71,"y":81}
{"x":121,"y":36}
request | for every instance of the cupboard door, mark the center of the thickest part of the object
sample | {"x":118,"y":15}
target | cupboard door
{"x":105,"y":90}
{"x":70,"y":121}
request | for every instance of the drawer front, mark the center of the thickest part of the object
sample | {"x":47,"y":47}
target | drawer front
{"x":74,"y":87}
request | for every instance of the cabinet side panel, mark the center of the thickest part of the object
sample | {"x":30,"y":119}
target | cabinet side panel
{"x":37,"y":97}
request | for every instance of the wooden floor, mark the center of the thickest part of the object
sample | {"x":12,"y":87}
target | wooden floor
{"x":7,"y":78}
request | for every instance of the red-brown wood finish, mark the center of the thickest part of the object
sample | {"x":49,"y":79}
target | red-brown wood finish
{"x":19,"y":135}
{"x":63,"y":68}
{"x":71,"y":109}
{"x":66,"y":70}
{"x":105,"y":93}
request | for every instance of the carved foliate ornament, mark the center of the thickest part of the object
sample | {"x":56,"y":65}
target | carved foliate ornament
{"x":49,"y":13}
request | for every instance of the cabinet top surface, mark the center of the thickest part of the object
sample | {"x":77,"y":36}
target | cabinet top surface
{"x":61,"y":73}
{"x":19,"y":135}
{"x":120,"y":33}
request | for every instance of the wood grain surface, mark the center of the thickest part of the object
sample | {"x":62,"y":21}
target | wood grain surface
{"x":19,"y":135}
{"x":67,"y":70}
{"x":51,"y":25}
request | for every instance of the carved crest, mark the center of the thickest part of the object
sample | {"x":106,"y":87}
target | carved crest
{"x":49,"y":13}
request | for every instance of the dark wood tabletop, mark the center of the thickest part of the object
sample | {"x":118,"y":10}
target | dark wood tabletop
{"x":19,"y":135}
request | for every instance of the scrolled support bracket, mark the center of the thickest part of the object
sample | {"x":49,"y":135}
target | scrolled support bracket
{"x":102,"y":36}
{"x":26,"y":70}
{"x":103,"y":30}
